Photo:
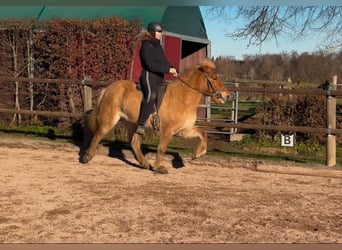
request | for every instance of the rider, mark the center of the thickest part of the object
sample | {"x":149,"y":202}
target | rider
{"x":154,"y":66}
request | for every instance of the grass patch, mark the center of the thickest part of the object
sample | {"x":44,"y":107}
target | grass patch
{"x":36,"y":131}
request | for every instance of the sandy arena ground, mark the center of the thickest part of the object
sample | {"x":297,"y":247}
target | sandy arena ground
{"x":47,"y":196}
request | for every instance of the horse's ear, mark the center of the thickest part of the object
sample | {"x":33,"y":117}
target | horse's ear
{"x":207,"y":66}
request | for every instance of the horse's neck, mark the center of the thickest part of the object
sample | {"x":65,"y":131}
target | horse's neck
{"x":186,"y":94}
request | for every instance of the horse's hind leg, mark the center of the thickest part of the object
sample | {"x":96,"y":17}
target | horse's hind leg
{"x":101,"y":131}
{"x":136,"y":146}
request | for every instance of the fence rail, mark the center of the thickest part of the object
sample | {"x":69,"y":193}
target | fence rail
{"x":42,"y":113}
{"x":85,"y":82}
{"x":232,"y":88}
{"x":205,"y":124}
{"x":269,"y":127}
{"x":273,"y":90}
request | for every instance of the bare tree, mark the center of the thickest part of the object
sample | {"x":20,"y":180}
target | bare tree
{"x":297,"y":22}
{"x":14,"y":35}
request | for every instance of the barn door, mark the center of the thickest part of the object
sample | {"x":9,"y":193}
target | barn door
{"x":172,"y":48}
{"x":135,"y":67}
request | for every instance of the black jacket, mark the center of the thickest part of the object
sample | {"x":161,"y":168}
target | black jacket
{"x":152,"y":58}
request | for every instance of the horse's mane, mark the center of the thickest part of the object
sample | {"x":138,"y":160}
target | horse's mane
{"x":207,"y":66}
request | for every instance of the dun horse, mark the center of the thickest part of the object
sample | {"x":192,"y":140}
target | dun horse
{"x":177,"y":112}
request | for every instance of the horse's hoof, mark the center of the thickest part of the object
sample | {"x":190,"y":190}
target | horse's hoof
{"x":144,"y":166}
{"x":83,"y":159}
{"x":194,"y":156}
{"x":198,"y":155}
{"x":86,"y":159}
{"x":161,"y":170}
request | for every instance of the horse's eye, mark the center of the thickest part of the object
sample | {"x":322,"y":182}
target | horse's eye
{"x":218,"y":95}
{"x":214,"y":77}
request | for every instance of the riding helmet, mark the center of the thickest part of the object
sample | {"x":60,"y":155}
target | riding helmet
{"x":153,"y":27}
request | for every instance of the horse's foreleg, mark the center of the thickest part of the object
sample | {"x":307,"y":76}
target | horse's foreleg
{"x":136,"y":146}
{"x":162,"y":146}
{"x":202,"y":146}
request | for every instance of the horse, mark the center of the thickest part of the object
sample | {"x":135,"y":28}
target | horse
{"x":177,"y":112}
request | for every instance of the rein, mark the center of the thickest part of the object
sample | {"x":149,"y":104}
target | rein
{"x":210,"y":87}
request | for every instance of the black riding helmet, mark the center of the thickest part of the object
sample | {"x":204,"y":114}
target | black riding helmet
{"x":153,"y":27}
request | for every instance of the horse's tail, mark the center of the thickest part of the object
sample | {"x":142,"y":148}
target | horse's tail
{"x":90,"y":122}
{"x":90,"y":115}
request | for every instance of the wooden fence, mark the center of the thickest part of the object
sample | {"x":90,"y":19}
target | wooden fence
{"x":331,"y":93}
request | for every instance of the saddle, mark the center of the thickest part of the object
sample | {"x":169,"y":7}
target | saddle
{"x":159,"y":98}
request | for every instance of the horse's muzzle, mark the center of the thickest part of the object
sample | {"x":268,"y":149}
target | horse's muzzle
{"x":221,"y":98}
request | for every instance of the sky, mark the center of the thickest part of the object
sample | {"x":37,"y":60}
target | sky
{"x":222,"y":45}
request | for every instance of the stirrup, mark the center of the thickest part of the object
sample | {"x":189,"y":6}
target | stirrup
{"x":155,"y":121}
{"x":140,"y":130}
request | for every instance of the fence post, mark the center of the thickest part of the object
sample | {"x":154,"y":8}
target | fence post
{"x":235,"y":109}
{"x":87,"y":95}
{"x":331,"y":124}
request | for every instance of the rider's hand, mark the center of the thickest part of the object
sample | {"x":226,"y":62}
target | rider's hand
{"x":173,"y":71}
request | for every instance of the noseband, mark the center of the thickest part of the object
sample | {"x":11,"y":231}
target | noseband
{"x":213,"y":93}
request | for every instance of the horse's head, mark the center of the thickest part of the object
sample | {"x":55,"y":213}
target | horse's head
{"x":213,"y":86}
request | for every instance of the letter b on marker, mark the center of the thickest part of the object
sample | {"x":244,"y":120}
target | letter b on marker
{"x":287,"y":140}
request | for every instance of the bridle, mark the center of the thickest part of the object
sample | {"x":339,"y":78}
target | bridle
{"x":212,"y":91}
